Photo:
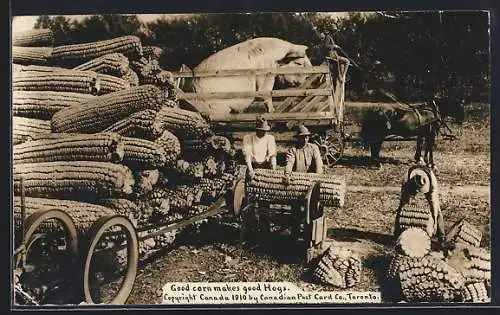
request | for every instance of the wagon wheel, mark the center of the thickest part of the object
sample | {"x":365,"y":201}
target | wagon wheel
{"x":47,"y":259}
{"x":331,"y":146}
{"x":111,"y":261}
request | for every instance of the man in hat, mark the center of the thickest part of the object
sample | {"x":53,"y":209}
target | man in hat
{"x":304,"y":157}
{"x":259,"y":149}
{"x":420,"y":183}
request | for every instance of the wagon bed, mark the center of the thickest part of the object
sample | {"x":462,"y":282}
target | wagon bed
{"x":318,"y":104}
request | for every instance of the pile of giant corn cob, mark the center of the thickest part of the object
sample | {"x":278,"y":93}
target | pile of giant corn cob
{"x":97,"y":130}
{"x":418,"y":274}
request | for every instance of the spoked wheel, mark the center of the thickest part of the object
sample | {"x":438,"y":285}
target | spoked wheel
{"x":331,"y":146}
{"x":45,"y":270}
{"x":111,"y":261}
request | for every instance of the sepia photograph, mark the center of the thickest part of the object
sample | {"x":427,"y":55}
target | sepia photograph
{"x":242,"y":159}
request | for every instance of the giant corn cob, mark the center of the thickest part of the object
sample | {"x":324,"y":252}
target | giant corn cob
{"x":75,"y":180}
{"x":15,"y":67}
{"x":170,"y":143}
{"x":31,"y":55}
{"x":35,"y":68}
{"x":413,"y":242}
{"x":143,"y":154}
{"x":182,"y":123}
{"x":152,"y":52}
{"x":462,"y":232}
{"x":212,"y":188}
{"x":185,"y":172}
{"x":268,"y":185}
{"x":100,"y":147}
{"x":113,"y":64}
{"x":145,"y":180}
{"x":83,"y":214}
{"x":67,"y":81}
{"x":131,"y":77}
{"x":417,"y":214}
{"x":129,"y":46}
{"x":339,"y":267}
{"x":35,"y":37}
{"x":137,"y":125}
{"x":213,"y":145}
{"x":474,"y":263}
{"x":24,"y":129}
{"x":121,"y":206}
{"x":98,"y":114}
{"x":476,"y":292}
{"x":429,"y":279}
{"x":44,"y":104}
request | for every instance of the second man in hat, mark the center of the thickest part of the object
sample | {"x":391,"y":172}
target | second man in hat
{"x":304,"y":157}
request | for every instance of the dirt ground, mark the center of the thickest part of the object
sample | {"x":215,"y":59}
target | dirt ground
{"x":211,"y":252}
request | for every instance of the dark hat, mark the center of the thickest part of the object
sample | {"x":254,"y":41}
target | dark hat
{"x":302,"y":131}
{"x":262,"y":124}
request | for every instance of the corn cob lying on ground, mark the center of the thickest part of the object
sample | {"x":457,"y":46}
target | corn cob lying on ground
{"x":34,"y":37}
{"x":24,"y":129}
{"x":338,"y":266}
{"x":115,"y":64}
{"x":67,"y":81}
{"x":31,"y":55}
{"x":129,"y":46}
{"x":79,"y":180}
{"x":44,"y":104}
{"x":428,"y":279}
{"x":268,"y":185}
{"x":99,"y":147}
{"x":464,"y":233}
{"x":83,"y":214}
{"x":99,"y":113}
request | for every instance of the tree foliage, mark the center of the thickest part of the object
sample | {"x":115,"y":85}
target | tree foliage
{"x":413,"y":55}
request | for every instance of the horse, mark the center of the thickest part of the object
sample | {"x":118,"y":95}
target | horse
{"x":422,"y":121}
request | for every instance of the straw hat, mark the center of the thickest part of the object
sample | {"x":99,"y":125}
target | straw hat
{"x":302,"y":131}
{"x":419,"y":179}
{"x":262,"y":124}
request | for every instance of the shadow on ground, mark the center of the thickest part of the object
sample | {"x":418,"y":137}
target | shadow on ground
{"x":353,"y":235}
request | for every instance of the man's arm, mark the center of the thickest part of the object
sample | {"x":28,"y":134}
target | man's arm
{"x":247,"y":151}
{"x":318,"y":160}
{"x":290,"y":160}
{"x":272,"y":151}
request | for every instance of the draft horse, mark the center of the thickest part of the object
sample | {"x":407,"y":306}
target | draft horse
{"x":422,"y":121}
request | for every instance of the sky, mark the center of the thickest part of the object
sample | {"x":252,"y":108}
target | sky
{"x":24,"y":23}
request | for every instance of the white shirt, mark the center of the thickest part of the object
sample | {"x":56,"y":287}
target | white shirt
{"x":259,"y":150}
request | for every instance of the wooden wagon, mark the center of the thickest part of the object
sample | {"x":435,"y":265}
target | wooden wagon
{"x":318,"y":104}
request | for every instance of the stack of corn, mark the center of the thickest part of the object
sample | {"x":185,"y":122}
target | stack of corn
{"x":99,"y":125}
{"x":417,"y":274}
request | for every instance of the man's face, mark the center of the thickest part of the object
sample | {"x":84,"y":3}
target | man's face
{"x":302,"y":140}
{"x":260,"y":133}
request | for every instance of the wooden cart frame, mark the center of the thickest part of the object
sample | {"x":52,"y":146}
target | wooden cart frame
{"x":318,"y":104}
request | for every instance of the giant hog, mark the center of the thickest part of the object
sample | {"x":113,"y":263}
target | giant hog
{"x":264,"y":52}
